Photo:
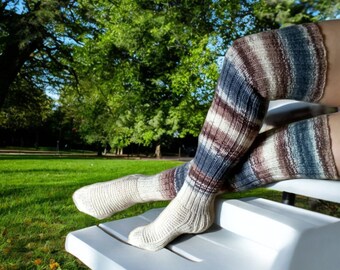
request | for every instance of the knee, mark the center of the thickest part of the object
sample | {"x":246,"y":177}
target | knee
{"x":249,"y":55}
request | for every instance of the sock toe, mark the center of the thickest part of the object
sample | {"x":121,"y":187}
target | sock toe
{"x":84,"y":202}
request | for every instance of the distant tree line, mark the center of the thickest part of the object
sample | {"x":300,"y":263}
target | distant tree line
{"x":127,"y":73}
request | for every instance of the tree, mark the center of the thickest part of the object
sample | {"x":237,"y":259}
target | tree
{"x":26,"y":108}
{"x":154,"y":58}
{"x":282,"y":13}
{"x":36,"y":41}
{"x":150,"y":74}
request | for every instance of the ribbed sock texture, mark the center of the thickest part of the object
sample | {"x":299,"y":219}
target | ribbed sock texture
{"x":286,"y":63}
{"x":299,"y":150}
{"x":104,"y":199}
{"x":188,"y":213}
{"x":101,"y":200}
{"x":172,"y":180}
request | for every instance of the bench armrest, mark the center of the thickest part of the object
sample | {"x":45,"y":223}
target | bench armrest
{"x":328,"y":190}
{"x":282,"y":112}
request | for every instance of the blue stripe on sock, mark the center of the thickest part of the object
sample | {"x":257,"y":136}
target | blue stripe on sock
{"x":245,"y":178}
{"x":238,"y":92}
{"x":246,"y":102}
{"x":300,"y":60}
{"x":302,"y":148}
{"x":180,"y":174}
{"x":210,"y":163}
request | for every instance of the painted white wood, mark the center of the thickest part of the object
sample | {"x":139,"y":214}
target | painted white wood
{"x":328,"y":190}
{"x":248,"y":234}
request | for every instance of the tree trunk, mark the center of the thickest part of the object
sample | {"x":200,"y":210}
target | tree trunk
{"x":12,"y":59}
{"x":99,"y":150}
{"x":119,"y":151}
{"x":158,"y":151}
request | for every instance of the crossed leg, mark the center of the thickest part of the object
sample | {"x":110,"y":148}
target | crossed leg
{"x":287,"y":63}
{"x":191,"y":211}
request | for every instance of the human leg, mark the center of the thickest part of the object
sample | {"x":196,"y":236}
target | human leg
{"x":305,"y":149}
{"x":334,"y":121}
{"x":287,"y":63}
{"x":102,"y":200}
{"x":304,"y":146}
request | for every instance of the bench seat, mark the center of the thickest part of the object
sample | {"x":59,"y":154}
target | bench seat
{"x":251,"y":233}
{"x":248,"y":234}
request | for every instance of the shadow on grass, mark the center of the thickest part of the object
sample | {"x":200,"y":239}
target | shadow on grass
{"x":32,"y":198}
{"x":28,"y":157}
{"x":63,"y":170}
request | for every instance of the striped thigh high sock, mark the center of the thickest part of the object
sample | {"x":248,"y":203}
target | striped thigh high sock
{"x":287,"y":63}
{"x":298,"y":150}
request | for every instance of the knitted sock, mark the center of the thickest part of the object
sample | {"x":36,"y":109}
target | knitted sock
{"x":287,"y":63}
{"x":298,"y":150}
{"x":102,"y":200}
{"x":284,"y":153}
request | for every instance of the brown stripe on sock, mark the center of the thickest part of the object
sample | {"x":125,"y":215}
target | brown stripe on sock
{"x":324,"y":146}
{"x":287,"y":167}
{"x":203,"y":182}
{"x":222,"y":140}
{"x":264,"y":159}
{"x":250,"y":67}
{"x":219,"y":105}
{"x":167,"y":183}
{"x":319,"y":60}
{"x":255,"y":64}
{"x":227,"y":112}
{"x":280,"y":69}
{"x":276,"y":164}
{"x":258,"y":165}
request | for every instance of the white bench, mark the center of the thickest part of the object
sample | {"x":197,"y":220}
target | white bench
{"x":248,"y":234}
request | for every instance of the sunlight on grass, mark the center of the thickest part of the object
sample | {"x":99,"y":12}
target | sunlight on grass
{"x":37,"y":211}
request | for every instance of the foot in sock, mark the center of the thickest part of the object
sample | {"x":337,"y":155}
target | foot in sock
{"x":189,"y":212}
{"x":101,"y":200}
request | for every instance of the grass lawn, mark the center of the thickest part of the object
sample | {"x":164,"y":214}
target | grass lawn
{"x":36,"y":208}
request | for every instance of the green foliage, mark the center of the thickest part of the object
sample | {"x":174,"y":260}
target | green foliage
{"x":150,"y":74}
{"x":25,"y":107}
{"x":286,"y":12}
{"x":132,"y":71}
{"x":152,"y":68}
{"x":36,"y":42}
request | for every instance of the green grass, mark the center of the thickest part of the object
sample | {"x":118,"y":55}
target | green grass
{"x":36,"y":208}
{"x":37,"y":212}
